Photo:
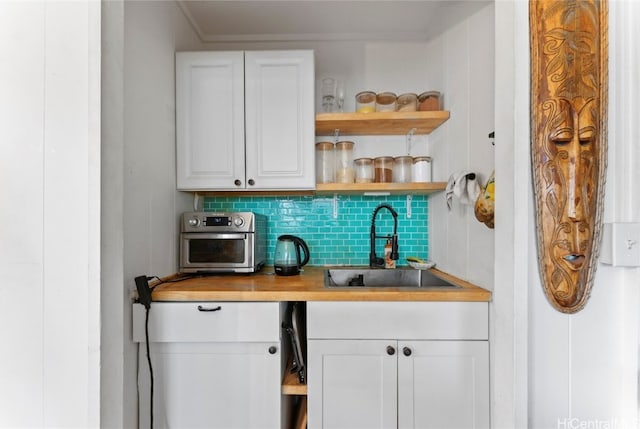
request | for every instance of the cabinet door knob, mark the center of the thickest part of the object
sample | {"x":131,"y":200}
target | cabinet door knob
{"x":406,"y":351}
{"x":237,"y":182}
{"x":391,"y":351}
{"x":273,"y":350}
{"x":251,"y":182}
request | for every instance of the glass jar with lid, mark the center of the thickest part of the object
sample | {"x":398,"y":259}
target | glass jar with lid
{"x":386,"y":102}
{"x":364,"y":170}
{"x":383,"y":169}
{"x":325,"y":162}
{"x":407,"y":103}
{"x":421,"y":170}
{"x":366,"y":102}
{"x":402,"y":169}
{"x":344,"y":162}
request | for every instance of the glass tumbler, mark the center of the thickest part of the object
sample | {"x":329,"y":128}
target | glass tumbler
{"x":328,"y":90}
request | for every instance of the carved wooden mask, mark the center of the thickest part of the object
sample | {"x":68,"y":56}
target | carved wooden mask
{"x":569,"y":143}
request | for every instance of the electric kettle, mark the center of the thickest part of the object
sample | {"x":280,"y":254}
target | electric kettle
{"x":287,"y":260}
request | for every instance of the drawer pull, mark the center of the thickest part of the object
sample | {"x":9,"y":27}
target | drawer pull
{"x":201,"y":308}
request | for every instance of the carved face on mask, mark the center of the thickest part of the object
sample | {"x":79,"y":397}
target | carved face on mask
{"x":568,"y":145}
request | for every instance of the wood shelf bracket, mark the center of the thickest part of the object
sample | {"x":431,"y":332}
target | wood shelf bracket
{"x":409,"y":139}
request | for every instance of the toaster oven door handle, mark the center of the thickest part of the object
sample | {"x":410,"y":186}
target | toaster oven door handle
{"x":201,"y":308}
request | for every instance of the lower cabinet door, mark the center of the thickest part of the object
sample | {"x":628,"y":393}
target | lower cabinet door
{"x":212,"y":385}
{"x":443,"y":384}
{"x":352,"y":384}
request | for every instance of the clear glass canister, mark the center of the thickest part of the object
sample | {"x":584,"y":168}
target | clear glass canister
{"x":325,"y":162}
{"x":429,"y":100}
{"x":366,"y":102}
{"x":407,"y":103}
{"x":421,"y":170}
{"x":402,"y":169}
{"x":383,"y":169}
{"x":344,"y":162}
{"x":386,"y":102}
{"x":364,"y":170}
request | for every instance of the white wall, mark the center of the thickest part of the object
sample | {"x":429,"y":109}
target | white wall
{"x":461,"y":63}
{"x":49,"y":221}
{"x":141,"y":205}
{"x":580,"y":370}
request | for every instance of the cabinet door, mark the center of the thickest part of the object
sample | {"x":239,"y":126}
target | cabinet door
{"x":280,"y":126}
{"x":352,"y":384}
{"x":212,"y":385}
{"x":443,"y":384}
{"x":209,"y":120}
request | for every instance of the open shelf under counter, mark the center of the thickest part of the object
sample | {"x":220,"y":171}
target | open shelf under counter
{"x":379,"y":123}
{"x":381,"y":188}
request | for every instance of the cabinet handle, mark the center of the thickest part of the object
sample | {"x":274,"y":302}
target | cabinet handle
{"x":273,"y":350}
{"x":251,"y":182}
{"x":201,"y":308}
{"x":406,"y":351}
{"x":237,"y":182}
{"x":391,"y":351}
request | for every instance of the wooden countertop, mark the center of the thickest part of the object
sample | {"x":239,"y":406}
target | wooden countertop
{"x":308,"y":286}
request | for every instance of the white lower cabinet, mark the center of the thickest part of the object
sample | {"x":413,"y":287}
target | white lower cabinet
{"x":365,"y":377}
{"x":215,"y":365}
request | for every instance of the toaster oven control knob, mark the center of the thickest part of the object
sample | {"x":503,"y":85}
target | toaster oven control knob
{"x":238,"y":221}
{"x":194,"y":222}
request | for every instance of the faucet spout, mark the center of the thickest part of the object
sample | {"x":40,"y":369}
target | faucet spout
{"x":374,"y":260}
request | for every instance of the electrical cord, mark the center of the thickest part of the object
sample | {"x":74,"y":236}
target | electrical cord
{"x":146,"y":333}
{"x":144,"y":298}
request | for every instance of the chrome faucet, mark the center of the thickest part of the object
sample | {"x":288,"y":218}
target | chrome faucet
{"x":374,"y":261}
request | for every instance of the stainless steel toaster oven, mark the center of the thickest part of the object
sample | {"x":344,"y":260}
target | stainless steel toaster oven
{"x":230,"y":242}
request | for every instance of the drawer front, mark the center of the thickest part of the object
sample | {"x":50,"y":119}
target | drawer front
{"x":401,"y":320}
{"x":191,"y":322}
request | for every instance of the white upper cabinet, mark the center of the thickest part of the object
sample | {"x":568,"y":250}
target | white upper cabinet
{"x":245,"y":120}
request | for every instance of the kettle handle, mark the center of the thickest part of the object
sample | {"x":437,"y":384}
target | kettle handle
{"x":300,"y":243}
{"x":305,"y":248}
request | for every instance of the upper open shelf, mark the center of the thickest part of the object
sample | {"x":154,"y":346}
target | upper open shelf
{"x":379,"y":123}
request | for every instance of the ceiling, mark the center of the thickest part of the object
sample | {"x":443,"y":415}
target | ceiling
{"x":321,"y":20}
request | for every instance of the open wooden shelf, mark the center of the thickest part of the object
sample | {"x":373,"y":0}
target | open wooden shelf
{"x":381,"y":188}
{"x":379,"y":123}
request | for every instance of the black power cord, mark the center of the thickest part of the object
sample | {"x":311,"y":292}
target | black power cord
{"x":144,"y":297}
{"x":146,"y":333}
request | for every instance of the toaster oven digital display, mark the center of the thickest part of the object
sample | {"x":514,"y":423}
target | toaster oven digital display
{"x":217,"y":221}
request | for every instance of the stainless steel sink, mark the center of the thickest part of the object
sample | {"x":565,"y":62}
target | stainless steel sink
{"x":374,"y":277}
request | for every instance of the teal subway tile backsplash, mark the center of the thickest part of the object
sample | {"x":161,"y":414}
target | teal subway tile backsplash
{"x":343,"y":240}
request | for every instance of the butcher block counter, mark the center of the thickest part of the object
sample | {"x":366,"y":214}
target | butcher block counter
{"x":308,"y":286}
